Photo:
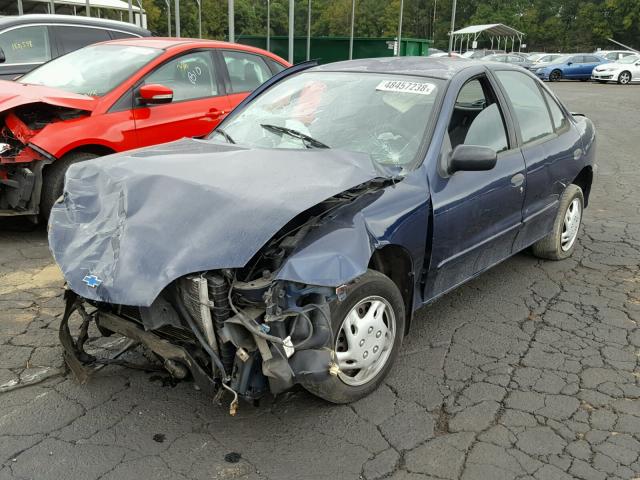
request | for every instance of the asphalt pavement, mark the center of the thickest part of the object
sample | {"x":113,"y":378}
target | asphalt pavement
{"x":528,"y":372}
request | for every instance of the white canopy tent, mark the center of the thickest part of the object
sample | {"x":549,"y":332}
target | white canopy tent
{"x":497,"y":33}
{"x":73,"y":6}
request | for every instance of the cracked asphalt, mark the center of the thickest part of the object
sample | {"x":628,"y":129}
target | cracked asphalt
{"x":528,"y":372}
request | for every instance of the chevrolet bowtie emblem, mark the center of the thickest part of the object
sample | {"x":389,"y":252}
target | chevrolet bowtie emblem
{"x":92,"y":281}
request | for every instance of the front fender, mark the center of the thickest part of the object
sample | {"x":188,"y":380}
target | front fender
{"x":340,"y":249}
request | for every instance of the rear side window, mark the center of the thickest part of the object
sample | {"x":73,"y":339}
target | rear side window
{"x":595,"y":59}
{"x":246,"y":71}
{"x":528,"y":104}
{"x":118,"y":35}
{"x":274,"y":66}
{"x":26,"y":45}
{"x":557,"y":116}
{"x":73,"y":38}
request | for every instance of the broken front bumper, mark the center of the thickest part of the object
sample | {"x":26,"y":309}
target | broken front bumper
{"x":83,"y":365}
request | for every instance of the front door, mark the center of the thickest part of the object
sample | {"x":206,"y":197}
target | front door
{"x":573,"y":70}
{"x":198,"y":103}
{"x":476,"y":214}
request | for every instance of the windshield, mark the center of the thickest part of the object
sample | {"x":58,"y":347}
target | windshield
{"x":629,"y":59}
{"x":93,"y":70}
{"x":382,"y":115}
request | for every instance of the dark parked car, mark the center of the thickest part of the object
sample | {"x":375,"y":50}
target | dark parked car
{"x":27,"y":41}
{"x":294,"y":245}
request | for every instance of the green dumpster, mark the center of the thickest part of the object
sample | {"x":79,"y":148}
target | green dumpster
{"x":333,"y":49}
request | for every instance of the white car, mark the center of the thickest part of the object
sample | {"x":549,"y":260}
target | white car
{"x":614,"y":55}
{"x":624,"y":71}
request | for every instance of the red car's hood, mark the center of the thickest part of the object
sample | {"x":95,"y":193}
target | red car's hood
{"x":15,"y":94}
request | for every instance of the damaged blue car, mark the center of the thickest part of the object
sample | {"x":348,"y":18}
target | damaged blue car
{"x":294,"y":245}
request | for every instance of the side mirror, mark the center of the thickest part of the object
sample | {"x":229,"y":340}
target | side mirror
{"x":569,"y":63}
{"x":472,"y":158}
{"x":154,"y":94}
{"x":3,"y":58}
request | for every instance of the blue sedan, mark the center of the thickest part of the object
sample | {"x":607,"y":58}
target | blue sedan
{"x":572,"y":67}
{"x":295,"y":244}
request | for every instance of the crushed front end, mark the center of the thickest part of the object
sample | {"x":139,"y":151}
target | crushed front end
{"x":247,"y":334}
{"x":21,"y":160}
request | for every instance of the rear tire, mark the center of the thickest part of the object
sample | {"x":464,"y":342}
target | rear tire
{"x":53,"y":180}
{"x":562,"y":240}
{"x":375,"y":345}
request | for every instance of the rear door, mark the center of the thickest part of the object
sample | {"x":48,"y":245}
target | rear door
{"x":590,"y":62}
{"x":549,"y":144}
{"x":476,"y":214}
{"x":199,"y":100}
{"x":25,"y":48}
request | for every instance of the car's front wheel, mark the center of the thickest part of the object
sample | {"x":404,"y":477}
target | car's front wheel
{"x":53,"y":180}
{"x":555,"y":76}
{"x":561,"y":242}
{"x":624,"y":78}
{"x":368,"y":327}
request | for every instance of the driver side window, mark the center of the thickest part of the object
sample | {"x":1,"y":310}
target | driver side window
{"x":477,"y":119}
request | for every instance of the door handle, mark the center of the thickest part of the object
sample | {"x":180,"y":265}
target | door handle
{"x":517,"y":180}
{"x":215,"y":114}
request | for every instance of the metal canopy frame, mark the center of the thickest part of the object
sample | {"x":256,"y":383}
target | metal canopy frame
{"x":494,"y":31}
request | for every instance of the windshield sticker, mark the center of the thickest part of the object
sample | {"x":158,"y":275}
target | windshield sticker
{"x":402,"y":86}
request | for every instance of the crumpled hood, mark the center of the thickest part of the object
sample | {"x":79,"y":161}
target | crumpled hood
{"x":136,"y":221}
{"x":15,"y":94}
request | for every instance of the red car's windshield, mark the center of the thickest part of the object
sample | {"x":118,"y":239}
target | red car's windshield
{"x":94,"y":70}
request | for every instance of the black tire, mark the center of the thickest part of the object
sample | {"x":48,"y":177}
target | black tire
{"x":550,"y":247}
{"x":53,"y":180}
{"x":555,"y":75}
{"x":624,"y":78}
{"x":372,"y":283}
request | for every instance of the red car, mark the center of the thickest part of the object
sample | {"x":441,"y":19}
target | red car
{"x":115,"y":96}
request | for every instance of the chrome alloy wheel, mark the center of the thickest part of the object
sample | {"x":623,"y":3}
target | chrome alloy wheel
{"x":625,"y":78}
{"x":571,"y":225}
{"x":365,"y":340}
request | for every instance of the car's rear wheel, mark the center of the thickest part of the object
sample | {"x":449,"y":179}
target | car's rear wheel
{"x":53,"y":180}
{"x":562,"y":240}
{"x":624,"y":78}
{"x":368,"y":328}
{"x":555,"y":76}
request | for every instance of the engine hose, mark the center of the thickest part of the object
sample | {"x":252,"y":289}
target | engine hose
{"x":214,"y":358}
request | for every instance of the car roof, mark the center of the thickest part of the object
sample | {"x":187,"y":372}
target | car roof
{"x":169,"y":43}
{"x":11,"y":21}
{"x":441,"y":67}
